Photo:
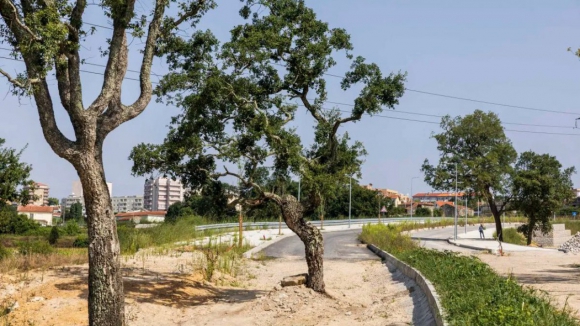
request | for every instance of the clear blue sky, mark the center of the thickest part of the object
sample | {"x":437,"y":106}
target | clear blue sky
{"x":500,"y":51}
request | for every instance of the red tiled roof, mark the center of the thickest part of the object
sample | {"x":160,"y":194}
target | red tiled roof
{"x":441,"y":203}
{"x":143,"y":213}
{"x":438,"y":194}
{"x":35,"y":209}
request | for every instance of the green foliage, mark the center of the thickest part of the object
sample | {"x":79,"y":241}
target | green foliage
{"x":4,"y":252}
{"x":53,"y":201}
{"x":133,"y":239}
{"x":13,"y":223}
{"x":511,"y":235}
{"x":484,"y":156}
{"x":387,"y":237}
{"x":75,"y":212}
{"x":71,"y":228}
{"x":54,"y":235}
{"x":540,"y":188}
{"x":238,"y":109}
{"x":422,"y":212}
{"x":81,"y":241}
{"x":13,"y":176}
{"x":573,"y":226}
{"x":35,"y":247}
{"x":365,"y":202}
{"x":470,"y":291}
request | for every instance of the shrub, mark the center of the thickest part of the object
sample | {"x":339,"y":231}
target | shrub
{"x":72,"y":228}
{"x":82,"y":241}
{"x":4,"y":252}
{"x":511,"y":235}
{"x":387,"y":237}
{"x":53,"y":236}
{"x":34,"y":247}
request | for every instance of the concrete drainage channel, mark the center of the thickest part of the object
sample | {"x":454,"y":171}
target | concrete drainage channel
{"x":428,"y":308}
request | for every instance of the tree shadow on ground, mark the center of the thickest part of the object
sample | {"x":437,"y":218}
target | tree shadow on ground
{"x":571,"y":276}
{"x":422,"y":314}
{"x":167,"y":289}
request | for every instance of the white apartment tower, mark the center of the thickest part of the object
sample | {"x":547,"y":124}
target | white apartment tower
{"x":77,"y":188}
{"x":161,"y":193}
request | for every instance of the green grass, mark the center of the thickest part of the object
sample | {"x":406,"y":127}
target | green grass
{"x":133,"y":239}
{"x":471,"y":292}
{"x":573,"y":226}
{"x":511,"y":235}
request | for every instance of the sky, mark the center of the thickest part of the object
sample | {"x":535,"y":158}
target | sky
{"x":496,"y":51}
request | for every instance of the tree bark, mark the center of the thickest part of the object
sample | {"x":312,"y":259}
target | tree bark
{"x":292,"y":212}
{"x":530,"y":235}
{"x":496,"y":214}
{"x":106,"y":299}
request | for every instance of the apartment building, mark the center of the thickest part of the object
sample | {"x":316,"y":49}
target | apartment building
{"x":77,"y":188}
{"x":40,"y":191}
{"x":397,"y":197}
{"x":161,"y":193}
{"x":123,"y":204}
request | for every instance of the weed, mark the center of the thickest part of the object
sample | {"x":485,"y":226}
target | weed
{"x":470,"y":291}
{"x":511,"y":235}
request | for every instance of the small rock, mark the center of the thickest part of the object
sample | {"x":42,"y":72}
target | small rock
{"x":36,"y":299}
{"x":348,"y":313}
{"x":277,"y":288}
{"x":294,"y":280}
{"x":14,"y":306}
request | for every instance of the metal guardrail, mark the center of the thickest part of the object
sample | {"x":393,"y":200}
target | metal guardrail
{"x":274,"y":225}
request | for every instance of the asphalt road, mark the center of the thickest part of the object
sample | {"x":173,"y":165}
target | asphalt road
{"x":337,"y":245}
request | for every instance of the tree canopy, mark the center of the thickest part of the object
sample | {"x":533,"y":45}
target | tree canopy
{"x":477,"y":145}
{"x":541,"y":187}
{"x":14,"y":176}
{"x":238,"y":103}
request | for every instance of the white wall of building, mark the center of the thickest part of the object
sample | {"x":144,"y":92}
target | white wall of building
{"x":77,"y":188}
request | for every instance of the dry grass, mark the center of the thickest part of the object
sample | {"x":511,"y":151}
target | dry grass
{"x":60,"y":257}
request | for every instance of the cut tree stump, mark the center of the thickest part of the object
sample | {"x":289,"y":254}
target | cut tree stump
{"x":294,"y":280}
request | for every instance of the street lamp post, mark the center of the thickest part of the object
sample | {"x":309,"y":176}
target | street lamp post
{"x":465,"y":213}
{"x":455,"y":231}
{"x":349,"y":200}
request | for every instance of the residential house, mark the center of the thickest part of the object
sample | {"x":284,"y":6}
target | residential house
{"x":448,"y":210}
{"x":436,"y":196}
{"x":397,"y":197}
{"x":40,"y":214}
{"x":39,"y":192}
{"x":416,"y":205}
{"x":142,"y":216}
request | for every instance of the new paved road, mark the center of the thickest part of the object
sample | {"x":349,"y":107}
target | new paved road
{"x":337,"y":245}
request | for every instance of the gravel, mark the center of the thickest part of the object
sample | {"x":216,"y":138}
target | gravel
{"x":572,"y":245}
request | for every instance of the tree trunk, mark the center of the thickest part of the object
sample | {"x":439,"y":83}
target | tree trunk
{"x":310,"y":236}
{"x":106,"y":299}
{"x":496,"y":215}
{"x":530,"y":235}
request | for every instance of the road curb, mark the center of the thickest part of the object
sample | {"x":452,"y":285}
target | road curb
{"x":423,"y":283}
{"x":250,"y":253}
{"x":469,"y":247}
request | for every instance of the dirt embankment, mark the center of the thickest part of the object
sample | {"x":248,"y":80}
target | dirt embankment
{"x":167,"y":290}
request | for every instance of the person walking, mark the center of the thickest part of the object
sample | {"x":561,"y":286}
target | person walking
{"x":481,"y":228}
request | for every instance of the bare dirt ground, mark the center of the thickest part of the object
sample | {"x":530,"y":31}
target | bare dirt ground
{"x":169,"y":290}
{"x":556,"y":273}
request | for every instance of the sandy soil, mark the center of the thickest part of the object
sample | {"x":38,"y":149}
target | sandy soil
{"x":167,"y":290}
{"x":556,"y":273}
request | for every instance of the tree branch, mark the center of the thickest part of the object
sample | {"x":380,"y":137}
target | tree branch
{"x":13,"y":21}
{"x":18,"y":83}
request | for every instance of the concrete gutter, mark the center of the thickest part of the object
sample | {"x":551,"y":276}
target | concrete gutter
{"x":423,"y":283}
{"x":468,"y":246}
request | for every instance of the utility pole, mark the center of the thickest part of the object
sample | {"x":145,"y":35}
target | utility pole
{"x":299,"y":181}
{"x":349,"y":200}
{"x":465,"y":213}
{"x":455,"y":231}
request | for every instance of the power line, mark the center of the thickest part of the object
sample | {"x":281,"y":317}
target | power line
{"x":441,"y":116}
{"x":96,"y":65}
{"x":85,"y":71}
{"x":511,"y":130}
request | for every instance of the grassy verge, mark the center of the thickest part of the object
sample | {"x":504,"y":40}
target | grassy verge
{"x":573,"y":226}
{"x":511,"y":235}
{"x":14,"y":260}
{"x":470,"y":291}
